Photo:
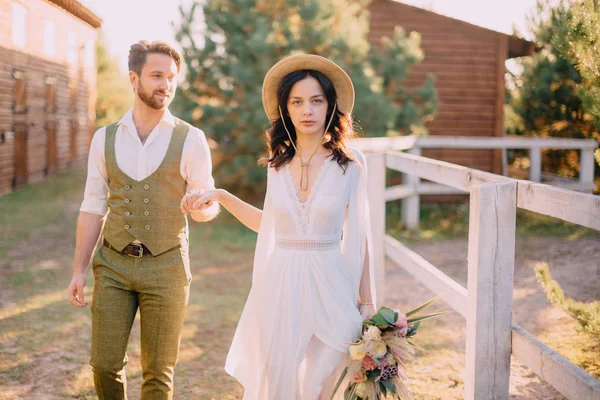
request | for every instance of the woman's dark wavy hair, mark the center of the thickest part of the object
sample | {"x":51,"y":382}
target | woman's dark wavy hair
{"x":280,"y":149}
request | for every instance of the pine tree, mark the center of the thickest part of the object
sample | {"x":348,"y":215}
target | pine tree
{"x":578,"y":38}
{"x":545,"y":101}
{"x":229,"y":45}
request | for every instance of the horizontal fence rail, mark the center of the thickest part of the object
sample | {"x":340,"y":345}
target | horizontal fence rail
{"x":412,"y":188}
{"x":577,"y":208}
{"x":566,"y":377}
{"x":486,"y":303}
{"x":435,"y":280}
{"x":379,"y":144}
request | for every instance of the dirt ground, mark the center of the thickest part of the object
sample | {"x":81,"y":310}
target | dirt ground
{"x":574,"y":264}
{"x":44,"y":342}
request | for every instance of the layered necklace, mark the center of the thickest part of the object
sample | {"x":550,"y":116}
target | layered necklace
{"x":305,"y":164}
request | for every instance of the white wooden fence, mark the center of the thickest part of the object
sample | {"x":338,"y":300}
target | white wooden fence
{"x":411,"y":189}
{"x":486,"y":303}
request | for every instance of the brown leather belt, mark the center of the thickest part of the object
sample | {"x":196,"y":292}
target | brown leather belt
{"x":131,"y":250}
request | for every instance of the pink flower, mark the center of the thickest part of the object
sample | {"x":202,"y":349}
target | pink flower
{"x":401,"y":325}
{"x":368,"y":364}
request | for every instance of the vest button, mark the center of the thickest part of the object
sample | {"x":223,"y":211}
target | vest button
{"x":147,"y":227}
{"x":127,"y":187}
{"x":146,"y":213}
{"x":146,"y":187}
{"x":146,"y":200}
{"x":128,"y":213}
{"x":127,"y":201}
{"x":127,"y":226}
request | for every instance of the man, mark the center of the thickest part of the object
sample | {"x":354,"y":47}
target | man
{"x":144,"y":174}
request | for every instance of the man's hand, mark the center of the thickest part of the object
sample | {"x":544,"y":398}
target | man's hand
{"x":199,"y":200}
{"x":75,"y":291}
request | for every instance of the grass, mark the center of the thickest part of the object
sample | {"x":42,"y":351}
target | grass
{"x":46,"y":209}
{"x":44,"y":342}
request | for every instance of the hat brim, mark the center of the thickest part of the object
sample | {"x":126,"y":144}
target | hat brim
{"x":340,"y":80}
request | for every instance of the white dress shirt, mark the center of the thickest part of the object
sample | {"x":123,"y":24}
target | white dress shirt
{"x":139,"y":160}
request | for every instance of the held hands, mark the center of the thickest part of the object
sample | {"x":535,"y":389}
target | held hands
{"x":199,"y":200}
{"x":75,"y":291}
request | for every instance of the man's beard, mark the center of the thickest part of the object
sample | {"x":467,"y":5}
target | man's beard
{"x":150,"y":100}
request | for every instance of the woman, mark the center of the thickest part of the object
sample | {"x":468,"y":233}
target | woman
{"x":312,"y":276}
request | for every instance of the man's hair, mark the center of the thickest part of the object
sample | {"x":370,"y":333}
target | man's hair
{"x":140,"y":50}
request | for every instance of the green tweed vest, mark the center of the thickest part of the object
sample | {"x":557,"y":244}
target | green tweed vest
{"x":147,"y":210}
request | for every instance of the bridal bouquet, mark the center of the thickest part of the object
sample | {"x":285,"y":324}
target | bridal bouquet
{"x":376,"y":367}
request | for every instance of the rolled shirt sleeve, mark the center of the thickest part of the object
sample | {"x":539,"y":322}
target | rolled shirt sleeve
{"x":196,"y":167}
{"x":96,"y":186}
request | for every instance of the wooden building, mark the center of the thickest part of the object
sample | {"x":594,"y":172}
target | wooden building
{"x":469,"y":63}
{"x":47,"y":88}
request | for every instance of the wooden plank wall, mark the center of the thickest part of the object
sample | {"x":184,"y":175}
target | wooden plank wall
{"x":469,"y":67}
{"x":36,"y":71}
{"x":68,"y":65}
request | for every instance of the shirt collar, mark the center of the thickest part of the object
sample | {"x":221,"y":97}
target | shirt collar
{"x":127,"y":119}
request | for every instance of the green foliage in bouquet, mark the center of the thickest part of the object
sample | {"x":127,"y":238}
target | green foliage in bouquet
{"x":376,"y":369}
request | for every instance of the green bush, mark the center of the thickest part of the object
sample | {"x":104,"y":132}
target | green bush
{"x":586,"y":314}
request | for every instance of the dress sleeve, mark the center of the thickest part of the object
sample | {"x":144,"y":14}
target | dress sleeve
{"x":266,"y":233}
{"x":357,"y":246}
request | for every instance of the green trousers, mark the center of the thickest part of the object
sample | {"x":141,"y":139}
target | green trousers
{"x":159,"y":287}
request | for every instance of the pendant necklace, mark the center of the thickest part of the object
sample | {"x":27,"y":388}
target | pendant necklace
{"x":305,"y":164}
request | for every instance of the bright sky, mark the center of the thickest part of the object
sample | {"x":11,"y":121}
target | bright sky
{"x":127,"y":21}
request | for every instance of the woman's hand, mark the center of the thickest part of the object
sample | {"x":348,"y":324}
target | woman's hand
{"x":367,"y":311}
{"x":199,"y":200}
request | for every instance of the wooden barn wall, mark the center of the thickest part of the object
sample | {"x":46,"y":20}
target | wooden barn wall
{"x":36,"y":71}
{"x":74,"y":77}
{"x":469,"y":65}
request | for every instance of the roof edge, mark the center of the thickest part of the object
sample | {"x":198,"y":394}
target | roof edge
{"x":78,"y":10}
{"x":517,"y":46}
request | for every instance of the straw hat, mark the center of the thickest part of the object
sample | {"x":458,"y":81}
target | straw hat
{"x":341,"y":81}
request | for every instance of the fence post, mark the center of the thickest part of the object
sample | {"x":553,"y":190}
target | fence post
{"x":492,"y":219}
{"x":411,"y":205}
{"x":535,"y":167}
{"x":376,"y":195}
{"x":586,"y":172}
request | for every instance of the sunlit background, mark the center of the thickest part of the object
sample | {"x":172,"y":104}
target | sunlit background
{"x":125,"y":22}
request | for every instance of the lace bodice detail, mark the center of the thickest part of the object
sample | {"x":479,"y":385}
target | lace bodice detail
{"x":302,"y":209}
{"x":321,"y":216}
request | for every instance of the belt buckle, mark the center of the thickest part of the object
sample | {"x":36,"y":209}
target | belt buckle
{"x":140,"y":251}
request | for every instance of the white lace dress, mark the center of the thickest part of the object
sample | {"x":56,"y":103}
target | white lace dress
{"x":307,"y":270}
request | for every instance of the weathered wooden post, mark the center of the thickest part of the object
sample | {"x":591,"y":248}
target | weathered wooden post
{"x":535,"y":167}
{"x":492,"y":219}
{"x":411,"y":205}
{"x":586,"y":172}
{"x":376,"y":188}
